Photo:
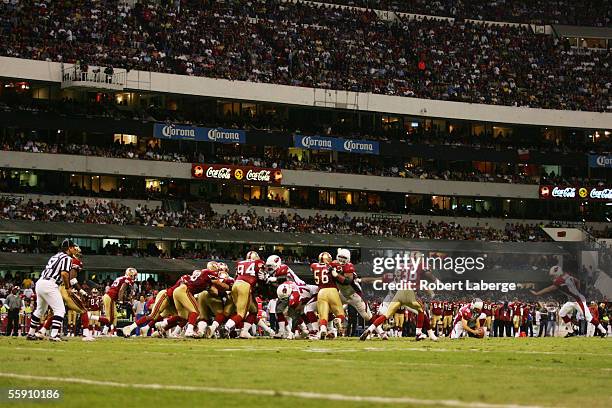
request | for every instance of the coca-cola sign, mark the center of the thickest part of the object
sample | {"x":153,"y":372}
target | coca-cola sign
{"x":242,"y":174}
{"x":576,"y":192}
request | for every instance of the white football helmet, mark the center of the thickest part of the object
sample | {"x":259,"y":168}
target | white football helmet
{"x":94,"y":292}
{"x":477,"y":304}
{"x":131,"y":273}
{"x":555,"y":271}
{"x":343,"y":256}
{"x":283,"y":291}
{"x":252,"y":256}
{"x":273,"y":263}
{"x":223,"y":267}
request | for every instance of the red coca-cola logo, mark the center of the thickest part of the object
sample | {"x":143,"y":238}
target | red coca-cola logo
{"x":236,"y":173}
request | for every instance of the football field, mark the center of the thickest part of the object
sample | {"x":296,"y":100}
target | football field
{"x":117,"y":372}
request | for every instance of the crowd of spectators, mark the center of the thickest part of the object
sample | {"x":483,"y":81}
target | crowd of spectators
{"x":585,"y":13}
{"x":351,"y":164}
{"x":314,"y":45}
{"x":112,"y":213}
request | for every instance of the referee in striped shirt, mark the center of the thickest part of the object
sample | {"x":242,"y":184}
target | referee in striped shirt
{"x":48,"y":293}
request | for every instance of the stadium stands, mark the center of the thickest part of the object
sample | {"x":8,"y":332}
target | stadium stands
{"x":586,"y":13}
{"x":317,"y":46}
{"x":111,"y":213}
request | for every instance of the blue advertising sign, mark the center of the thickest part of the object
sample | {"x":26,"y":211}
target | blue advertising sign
{"x":600,"y":160}
{"x":171,"y":131}
{"x":336,"y":144}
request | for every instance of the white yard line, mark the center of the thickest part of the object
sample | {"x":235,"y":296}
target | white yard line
{"x":269,"y":393}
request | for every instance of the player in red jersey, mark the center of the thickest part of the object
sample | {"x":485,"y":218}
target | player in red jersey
{"x":248,"y":273}
{"x":517,"y":317}
{"x":568,"y":285}
{"x":94,"y":307}
{"x":487,"y":308}
{"x":437,"y":310}
{"x":467,"y":319}
{"x":328,"y":298}
{"x":447,"y":322}
{"x":118,"y":291}
{"x":216,"y":302}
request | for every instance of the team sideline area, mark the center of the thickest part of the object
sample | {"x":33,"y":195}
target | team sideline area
{"x":508,"y":372}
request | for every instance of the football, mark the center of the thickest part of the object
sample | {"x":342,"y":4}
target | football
{"x":480,"y":332}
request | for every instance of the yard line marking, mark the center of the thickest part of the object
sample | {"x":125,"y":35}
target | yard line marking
{"x":271,"y":393}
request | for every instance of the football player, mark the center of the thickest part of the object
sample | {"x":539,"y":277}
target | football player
{"x":248,"y":273}
{"x":467,"y":320}
{"x":349,"y":283}
{"x":568,"y":285}
{"x":216,"y":302}
{"x":277,"y":274}
{"x":94,"y":305}
{"x":118,"y":292}
{"x":299,"y":301}
{"x":402,"y":298}
{"x":190,"y":285}
{"x":437,"y":310}
{"x":328,"y":298}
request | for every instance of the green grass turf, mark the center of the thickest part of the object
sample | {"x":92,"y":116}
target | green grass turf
{"x":549,"y":372}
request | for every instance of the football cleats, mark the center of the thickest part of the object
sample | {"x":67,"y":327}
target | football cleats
{"x":477,"y":304}
{"x":273,"y":263}
{"x":131,"y":273}
{"x":212,"y":266}
{"x":252,"y":256}
{"x":325,"y":258}
{"x":343,"y":256}
{"x":283,"y":291}
{"x":555,"y":271}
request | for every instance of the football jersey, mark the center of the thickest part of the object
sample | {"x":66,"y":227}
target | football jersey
{"x":94,"y":303}
{"x":284,"y":273}
{"x":437,"y":308}
{"x":347,"y":269}
{"x":517,"y":309}
{"x":322,"y":276}
{"x":302,"y":294}
{"x":487,"y":308}
{"x":568,"y":285}
{"x":465,"y":313}
{"x":247,"y":270}
{"x":448,"y":308}
{"x":199,"y":281}
{"x":113,"y":291}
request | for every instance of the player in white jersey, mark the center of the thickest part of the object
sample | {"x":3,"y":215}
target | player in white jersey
{"x":467,"y":320}
{"x":349,"y":284}
{"x":568,"y":285}
{"x":297,"y":301}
